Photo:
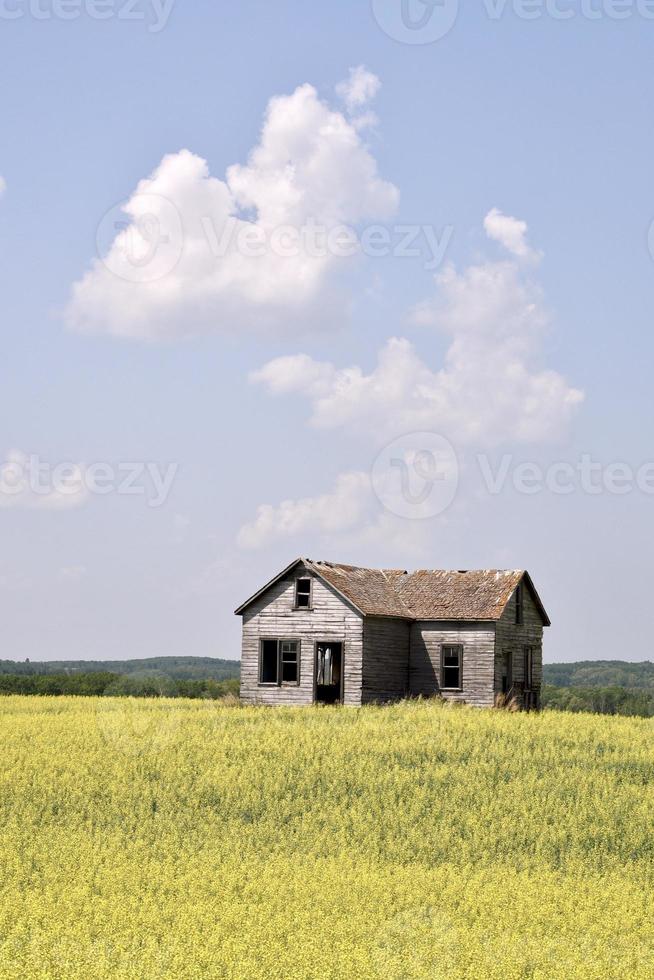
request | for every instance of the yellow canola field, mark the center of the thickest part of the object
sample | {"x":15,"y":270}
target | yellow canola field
{"x":157,"y":838}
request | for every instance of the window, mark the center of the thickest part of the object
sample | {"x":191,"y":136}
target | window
{"x":519,"y":605}
{"x":290,"y":662}
{"x":268,"y":672}
{"x":303,"y":593}
{"x":529,"y":668}
{"x":451,"y":659}
{"x":279,"y":662}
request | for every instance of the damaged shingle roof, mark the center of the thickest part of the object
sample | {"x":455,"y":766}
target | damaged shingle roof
{"x":458,"y":595}
{"x":371,"y":590}
{"x":426,"y":594}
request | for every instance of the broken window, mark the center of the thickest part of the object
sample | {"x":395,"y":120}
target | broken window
{"x":279,"y":662}
{"x":451,"y":663}
{"x":269,"y":662}
{"x":303,"y":593}
{"x":529,"y":668}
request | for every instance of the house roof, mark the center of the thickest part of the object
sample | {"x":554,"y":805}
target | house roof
{"x":371,"y":590}
{"x":426,"y":594}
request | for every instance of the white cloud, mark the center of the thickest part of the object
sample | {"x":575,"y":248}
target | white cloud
{"x":490,"y":389}
{"x":201,"y":254}
{"x":358,"y":91}
{"x":350,"y":515}
{"x":509,"y":232}
{"x":3,"y":185}
{"x":344,"y":507}
{"x":25,"y":484}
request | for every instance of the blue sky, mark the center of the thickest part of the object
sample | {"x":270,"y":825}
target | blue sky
{"x":524,"y":146}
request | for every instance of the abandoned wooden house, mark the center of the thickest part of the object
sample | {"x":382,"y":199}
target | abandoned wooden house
{"x":328,"y":633}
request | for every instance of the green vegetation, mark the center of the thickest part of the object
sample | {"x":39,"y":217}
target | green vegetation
{"x":600,"y":700}
{"x":177,"y":668}
{"x":609,"y":687}
{"x":601,"y":673}
{"x":108,"y":684}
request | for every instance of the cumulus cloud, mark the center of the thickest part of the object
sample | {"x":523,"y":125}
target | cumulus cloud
{"x":350,"y":514}
{"x":509,"y":232}
{"x":357,"y":92}
{"x":3,"y":185}
{"x":26,"y":484}
{"x":491,"y":387}
{"x":344,"y":507}
{"x":190,"y":252}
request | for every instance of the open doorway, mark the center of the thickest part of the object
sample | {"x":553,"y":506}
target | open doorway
{"x":329,"y":673}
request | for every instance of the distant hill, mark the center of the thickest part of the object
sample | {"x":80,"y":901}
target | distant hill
{"x":176,"y":668}
{"x":601,"y":673}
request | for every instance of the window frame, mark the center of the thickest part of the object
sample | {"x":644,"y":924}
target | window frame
{"x":528,"y":667}
{"x":279,"y":640}
{"x":296,"y":593}
{"x":459,"y":648}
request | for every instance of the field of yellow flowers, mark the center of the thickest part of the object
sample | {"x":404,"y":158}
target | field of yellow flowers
{"x":160,"y":838}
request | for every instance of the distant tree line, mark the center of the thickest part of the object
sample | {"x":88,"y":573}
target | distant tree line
{"x":179,"y":668}
{"x":600,"y":700}
{"x":601,"y":673}
{"x":106,"y":683}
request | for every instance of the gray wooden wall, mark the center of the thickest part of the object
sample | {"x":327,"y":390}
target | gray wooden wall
{"x":385,"y":659}
{"x":478,"y":641}
{"x":513,"y":638}
{"x":272,"y":616}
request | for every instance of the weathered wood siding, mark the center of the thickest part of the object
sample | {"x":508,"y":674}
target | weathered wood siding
{"x":513,"y":638}
{"x":272,"y":616}
{"x":478,"y":642}
{"x":385,"y":659}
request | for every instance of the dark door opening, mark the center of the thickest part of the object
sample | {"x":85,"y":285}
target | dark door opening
{"x":329,"y":673}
